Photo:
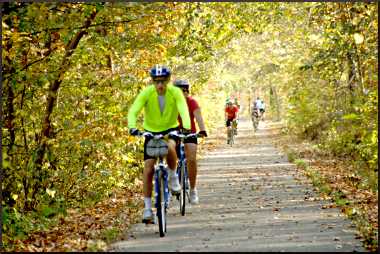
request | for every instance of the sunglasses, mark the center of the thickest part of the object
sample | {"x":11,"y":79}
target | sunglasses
{"x":160,"y":80}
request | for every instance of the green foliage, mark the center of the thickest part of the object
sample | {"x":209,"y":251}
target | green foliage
{"x":301,"y":164}
{"x":110,"y":234}
{"x":333,"y":96}
{"x":18,"y":224}
{"x":291,"y":156}
{"x":356,"y":134}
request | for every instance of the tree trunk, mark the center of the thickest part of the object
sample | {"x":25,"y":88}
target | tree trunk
{"x":47,"y":130}
{"x":351,"y":78}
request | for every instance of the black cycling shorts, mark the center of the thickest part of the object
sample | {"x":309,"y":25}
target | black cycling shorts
{"x":228,"y":122}
{"x":192,"y":140}
{"x":176,"y":139}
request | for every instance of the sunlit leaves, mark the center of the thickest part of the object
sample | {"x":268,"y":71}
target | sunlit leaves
{"x":358,"y":38}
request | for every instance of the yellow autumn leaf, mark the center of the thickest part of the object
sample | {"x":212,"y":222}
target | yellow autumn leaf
{"x":161,"y":48}
{"x":358,"y":38}
{"x":120,"y":29}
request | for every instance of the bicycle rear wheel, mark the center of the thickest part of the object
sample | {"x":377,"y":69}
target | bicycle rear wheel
{"x":161,"y":208}
{"x":182,"y":196}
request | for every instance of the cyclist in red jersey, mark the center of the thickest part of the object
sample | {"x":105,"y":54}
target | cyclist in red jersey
{"x":231,"y":114}
{"x":191,"y":143}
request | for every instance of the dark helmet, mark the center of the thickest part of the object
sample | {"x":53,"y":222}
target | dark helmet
{"x":160,"y":71}
{"x":183,"y":84}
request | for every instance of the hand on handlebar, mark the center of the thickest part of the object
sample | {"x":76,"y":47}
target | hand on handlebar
{"x":134,"y":132}
{"x":202,"y":134}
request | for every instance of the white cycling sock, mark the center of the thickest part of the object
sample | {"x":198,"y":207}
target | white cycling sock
{"x":172,"y":173}
{"x":148,"y":203}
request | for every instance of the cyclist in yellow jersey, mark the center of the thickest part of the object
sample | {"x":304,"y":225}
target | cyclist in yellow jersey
{"x":162,"y":102}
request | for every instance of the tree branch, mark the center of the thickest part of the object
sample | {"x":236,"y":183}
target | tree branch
{"x":82,"y":27}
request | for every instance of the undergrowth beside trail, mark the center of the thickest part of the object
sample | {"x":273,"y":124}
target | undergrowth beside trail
{"x":339,"y":180}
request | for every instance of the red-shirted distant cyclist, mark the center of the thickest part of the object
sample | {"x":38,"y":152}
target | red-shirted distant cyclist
{"x":231,"y":115}
{"x":191,"y":143}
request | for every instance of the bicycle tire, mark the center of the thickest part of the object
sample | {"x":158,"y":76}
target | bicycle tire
{"x":232,"y":137}
{"x":254,"y":124}
{"x":182,"y":196}
{"x":229,"y":136}
{"x":161,"y":209}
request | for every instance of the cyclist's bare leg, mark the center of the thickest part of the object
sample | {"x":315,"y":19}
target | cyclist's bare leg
{"x":148,"y":177}
{"x":171,"y":159}
{"x":147,"y":189}
{"x":191,"y":157}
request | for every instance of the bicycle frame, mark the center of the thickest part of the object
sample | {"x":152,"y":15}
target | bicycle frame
{"x":182,"y":158}
{"x":183,"y":173}
{"x":183,"y":178}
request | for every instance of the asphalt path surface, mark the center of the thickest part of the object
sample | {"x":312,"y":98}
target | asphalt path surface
{"x":251,"y":199}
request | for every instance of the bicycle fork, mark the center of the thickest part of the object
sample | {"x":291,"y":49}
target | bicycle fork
{"x":161,"y":172}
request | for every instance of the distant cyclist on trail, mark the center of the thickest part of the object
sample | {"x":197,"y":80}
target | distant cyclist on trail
{"x":161,"y":102}
{"x":231,"y":114}
{"x":191,"y":143}
{"x":261,"y":106}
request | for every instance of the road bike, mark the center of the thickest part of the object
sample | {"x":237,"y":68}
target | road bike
{"x":157,"y":147}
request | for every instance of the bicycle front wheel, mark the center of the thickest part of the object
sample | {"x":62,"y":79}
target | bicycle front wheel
{"x":232,"y":136}
{"x":161,"y":208}
{"x":229,"y":136}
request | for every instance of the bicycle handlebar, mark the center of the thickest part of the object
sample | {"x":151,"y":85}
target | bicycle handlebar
{"x":172,"y":133}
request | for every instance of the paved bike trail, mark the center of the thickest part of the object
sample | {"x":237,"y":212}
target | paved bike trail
{"x":251,"y":199}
